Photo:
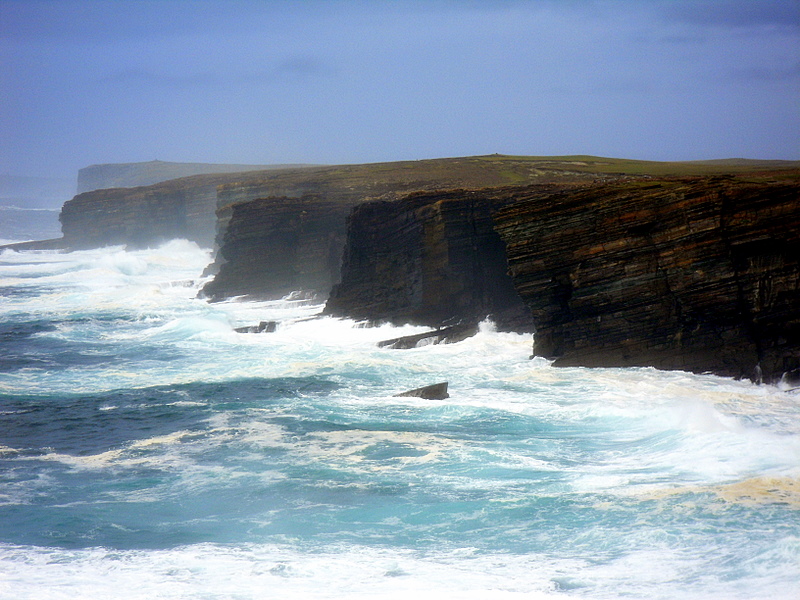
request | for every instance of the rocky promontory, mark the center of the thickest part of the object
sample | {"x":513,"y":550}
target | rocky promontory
{"x":274,"y":246}
{"x":699,"y":274}
{"x":143,"y":216}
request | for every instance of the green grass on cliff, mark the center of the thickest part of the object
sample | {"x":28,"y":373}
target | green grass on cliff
{"x":621,"y":166}
{"x":391,"y":179}
{"x":498,"y":169}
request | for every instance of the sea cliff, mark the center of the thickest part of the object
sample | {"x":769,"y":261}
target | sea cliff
{"x":693,"y":274}
{"x":612,"y":263}
{"x":699,"y":274}
{"x":431,"y":258}
{"x":264,"y":247}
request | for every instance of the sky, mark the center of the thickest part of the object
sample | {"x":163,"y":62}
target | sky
{"x":263,"y":82}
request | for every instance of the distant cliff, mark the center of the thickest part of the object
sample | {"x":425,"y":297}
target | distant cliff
{"x":127,"y":175}
{"x":696,"y":274}
{"x":143,"y":216}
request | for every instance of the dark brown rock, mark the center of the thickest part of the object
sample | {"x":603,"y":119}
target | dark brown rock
{"x":262,"y":327}
{"x":430,"y":259}
{"x":54,"y":244}
{"x":436,"y":391}
{"x":274,"y":246}
{"x":697,"y":274}
{"x":445,"y":335}
{"x":243,"y":263}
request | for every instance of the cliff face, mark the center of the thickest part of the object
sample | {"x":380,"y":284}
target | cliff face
{"x":273,"y":246}
{"x":243,"y":265}
{"x":700,"y":274}
{"x":431,"y":259}
{"x":141,"y":216}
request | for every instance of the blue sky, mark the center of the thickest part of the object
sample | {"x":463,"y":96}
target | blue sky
{"x":86,"y":82}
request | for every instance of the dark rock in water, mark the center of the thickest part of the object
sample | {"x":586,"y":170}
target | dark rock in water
{"x":262,"y":327}
{"x":446,"y":335}
{"x":699,"y":274}
{"x":436,"y":391}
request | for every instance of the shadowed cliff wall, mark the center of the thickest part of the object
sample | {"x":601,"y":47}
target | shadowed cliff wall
{"x":431,"y":259}
{"x":274,"y":246}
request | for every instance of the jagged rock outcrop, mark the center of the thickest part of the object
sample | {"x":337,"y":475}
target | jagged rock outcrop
{"x":445,"y":335}
{"x":696,"y":274}
{"x":435,"y":391}
{"x":430,"y":259}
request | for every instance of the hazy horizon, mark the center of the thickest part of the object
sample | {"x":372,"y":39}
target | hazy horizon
{"x":246,"y":82}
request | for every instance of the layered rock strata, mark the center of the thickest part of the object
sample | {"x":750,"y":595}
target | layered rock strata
{"x":430,"y":259}
{"x":274,"y":246}
{"x":250,"y":259}
{"x":693,"y":274}
{"x":144,"y":216}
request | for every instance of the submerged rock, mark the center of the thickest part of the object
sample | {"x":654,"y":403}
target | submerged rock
{"x":445,"y":335}
{"x":436,"y":391}
{"x":262,"y":327}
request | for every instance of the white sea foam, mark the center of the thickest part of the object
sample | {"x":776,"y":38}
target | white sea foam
{"x":274,"y":571}
{"x":613,"y":436}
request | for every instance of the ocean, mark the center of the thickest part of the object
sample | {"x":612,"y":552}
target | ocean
{"x":24,"y":224}
{"x":148,"y":450}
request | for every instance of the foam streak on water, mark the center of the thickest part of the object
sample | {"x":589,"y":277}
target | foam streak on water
{"x":147,"y":450}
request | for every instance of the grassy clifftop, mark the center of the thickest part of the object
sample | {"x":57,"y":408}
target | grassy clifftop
{"x":389,"y":178}
{"x":125,"y":175}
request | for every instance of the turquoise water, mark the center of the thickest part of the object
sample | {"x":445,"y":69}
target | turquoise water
{"x":149,"y":450}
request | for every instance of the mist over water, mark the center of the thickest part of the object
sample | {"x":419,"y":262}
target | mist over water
{"x":21,"y":224}
{"x":149,"y":450}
